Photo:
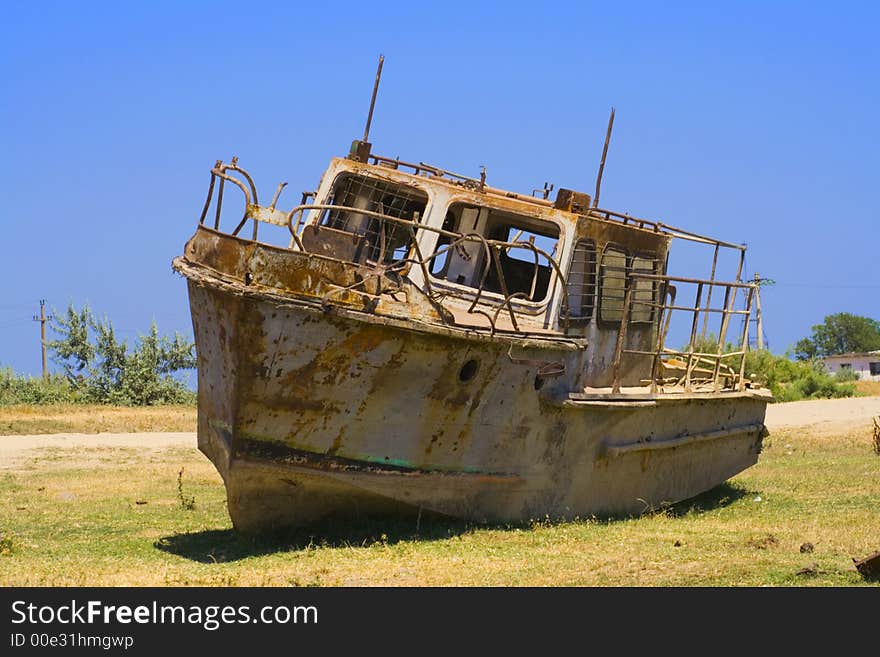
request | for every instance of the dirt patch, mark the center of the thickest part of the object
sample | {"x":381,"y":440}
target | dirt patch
{"x":837,"y":413}
{"x":762,"y":542}
{"x":95,"y":418}
{"x":44,"y":450}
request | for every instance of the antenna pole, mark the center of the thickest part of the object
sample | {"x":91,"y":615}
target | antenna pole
{"x":373,"y":99}
{"x":602,"y":163}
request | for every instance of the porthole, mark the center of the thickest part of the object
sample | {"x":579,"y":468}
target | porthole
{"x":468,"y":371}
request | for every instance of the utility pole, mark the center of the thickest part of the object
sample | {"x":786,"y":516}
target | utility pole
{"x":42,"y":320}
{"x":758,"y":316}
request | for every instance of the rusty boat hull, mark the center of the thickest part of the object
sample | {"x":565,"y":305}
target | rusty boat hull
{"x":308,"y":408}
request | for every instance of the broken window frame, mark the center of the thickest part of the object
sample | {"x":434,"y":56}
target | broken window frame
{"x":488,"y":297}
{"x":326,"y":219}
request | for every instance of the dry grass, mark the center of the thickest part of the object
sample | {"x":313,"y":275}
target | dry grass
{"x":79,"y":418}
{"x":111,"y":517}
{"x":871,"y":388}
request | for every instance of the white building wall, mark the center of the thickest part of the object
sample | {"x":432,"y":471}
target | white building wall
{"x":860,"y":363}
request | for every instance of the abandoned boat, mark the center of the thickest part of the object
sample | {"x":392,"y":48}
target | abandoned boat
{"x":422,"y":340}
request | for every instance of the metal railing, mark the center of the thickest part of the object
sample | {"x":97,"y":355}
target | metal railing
{"x":705,"y":368}
{"x":252,"y":209}
{"x":490,"y":248}
{"x":294,"y":220}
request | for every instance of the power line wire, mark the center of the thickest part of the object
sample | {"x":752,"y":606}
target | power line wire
{"x":827,"y":285}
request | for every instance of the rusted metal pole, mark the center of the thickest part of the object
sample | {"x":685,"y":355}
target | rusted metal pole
{"x":691,"y":362}
{"x":745,"y":343}
{"x":729,"y":294}
{"x":373,"y":99}
{"x":210,"y":195}
{"x":497,"y":261}
{"x":655,"y":359}
{"x":219,"y":204}
{"x":709,"y":295}
{"x":682,"y":279}
{"x":621,"y":336}
{"x":729,"y":300}
{"x":738,"y":279}
{"x":671,"y":292}
{"x":602,"y":162}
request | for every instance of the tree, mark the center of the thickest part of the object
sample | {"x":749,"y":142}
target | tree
{"x":840,"y":333}
{"x":103,"y":370}
{"x":805,"y":349}
{"x":74,"y":352}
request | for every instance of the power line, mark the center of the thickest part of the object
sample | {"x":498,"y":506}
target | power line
{"x":826,"y":285}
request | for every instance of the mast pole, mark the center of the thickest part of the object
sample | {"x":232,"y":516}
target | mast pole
{"x":602,"y":163}
{"x":373,"y":99}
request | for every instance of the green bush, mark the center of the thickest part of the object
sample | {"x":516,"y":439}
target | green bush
{"x":100,"y":369}
{"x":846,"y":375}
{"x":17,"y":389}
{"x":791,"y":380}
{"x":787,"y":379}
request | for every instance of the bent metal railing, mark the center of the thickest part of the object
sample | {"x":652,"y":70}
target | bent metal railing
{"x":252,"y":209}
{"x":294,"y":220}
{"x":716,"y":373}
{"x":491,"y":250}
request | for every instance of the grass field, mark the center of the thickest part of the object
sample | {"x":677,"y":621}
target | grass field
{"x":868,"y":387}
{"x":81,"y":418}
{"x":124,"y":516}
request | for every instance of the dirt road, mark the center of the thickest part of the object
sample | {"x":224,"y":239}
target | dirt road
{"x":831,"y":412}
{"x":851,"y":410}
{"x":13,"y":449}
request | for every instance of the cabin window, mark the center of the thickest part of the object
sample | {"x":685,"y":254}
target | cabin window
{"x":380,"y":240}
{"x":581,"y":282}
{"x":874,"y":368}
{"x":613,"y":274}
{"x":524,"y":270}
{"x":616,"y":269}
{"x":643,"y":295}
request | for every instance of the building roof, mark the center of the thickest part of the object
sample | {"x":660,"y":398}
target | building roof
{"x":854,"y":354}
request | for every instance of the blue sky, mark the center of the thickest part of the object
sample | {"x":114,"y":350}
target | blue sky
{"x":753,"y":122}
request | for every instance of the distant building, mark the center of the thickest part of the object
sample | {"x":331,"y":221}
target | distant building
{"x":866,"y":364}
